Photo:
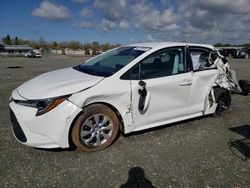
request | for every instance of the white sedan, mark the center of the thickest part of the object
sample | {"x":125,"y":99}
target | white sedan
{"x":127,"y":89}
{"x":31,"y":54}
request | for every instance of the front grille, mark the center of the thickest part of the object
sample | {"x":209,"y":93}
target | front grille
{"x":17,"y":128}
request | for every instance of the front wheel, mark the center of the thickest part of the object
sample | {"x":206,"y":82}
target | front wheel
{"x":95,"y":129}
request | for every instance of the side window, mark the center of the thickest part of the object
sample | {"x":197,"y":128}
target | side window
{"x":200,"y":58}
{"x":164,"y":63}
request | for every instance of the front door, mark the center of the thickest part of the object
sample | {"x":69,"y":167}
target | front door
{"x":162,"y":92}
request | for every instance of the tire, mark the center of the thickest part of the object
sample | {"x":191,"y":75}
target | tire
{"x":95,"y":129}
{"x":246,"y":56}
{"x":223,"y":99}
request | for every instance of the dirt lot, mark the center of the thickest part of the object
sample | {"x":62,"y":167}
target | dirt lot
{"x":197,"y":153}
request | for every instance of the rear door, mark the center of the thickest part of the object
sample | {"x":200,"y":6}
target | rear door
{"x":203,"y":77}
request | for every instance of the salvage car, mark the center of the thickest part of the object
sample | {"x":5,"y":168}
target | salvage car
{"x":127,"y":89}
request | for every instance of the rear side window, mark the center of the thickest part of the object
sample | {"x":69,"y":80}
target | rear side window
{"x":200,"y":58}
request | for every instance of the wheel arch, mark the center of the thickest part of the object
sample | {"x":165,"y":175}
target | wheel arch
{"x":218,"y":90}
{"x":115,"y":110}
{"x":121,"y":123}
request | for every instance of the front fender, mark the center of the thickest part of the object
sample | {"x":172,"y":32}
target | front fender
{"x":116,"y":95}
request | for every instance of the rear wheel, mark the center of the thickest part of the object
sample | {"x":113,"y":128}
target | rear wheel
{"x":95,"y":129}
{"x":223,"y":100}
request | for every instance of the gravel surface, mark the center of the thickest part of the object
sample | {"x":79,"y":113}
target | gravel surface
{"x":202,"y":152}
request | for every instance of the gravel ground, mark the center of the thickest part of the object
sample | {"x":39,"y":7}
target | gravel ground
{"x":202,"y":152}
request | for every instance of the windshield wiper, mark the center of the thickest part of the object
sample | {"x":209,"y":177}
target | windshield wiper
{"x":91,"y":71}
{"x":84,"y":70}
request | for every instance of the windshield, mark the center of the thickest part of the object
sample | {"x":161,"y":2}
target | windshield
{"x":109,"y":63}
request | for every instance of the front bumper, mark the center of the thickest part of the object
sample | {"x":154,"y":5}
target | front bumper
{"x":50,"y":130}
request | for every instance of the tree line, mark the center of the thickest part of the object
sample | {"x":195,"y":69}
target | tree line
{"x":75,"y":45}
{"x":41,"y":43}
{"x":246,"y":45}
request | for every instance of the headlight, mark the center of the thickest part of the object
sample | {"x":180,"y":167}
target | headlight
{"x":43,"y":106}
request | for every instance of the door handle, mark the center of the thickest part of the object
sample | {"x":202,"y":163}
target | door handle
{"x":186,"y":82}
{"x":144,"y":97}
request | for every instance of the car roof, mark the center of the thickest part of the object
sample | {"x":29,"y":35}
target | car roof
{"x":159,"y":45}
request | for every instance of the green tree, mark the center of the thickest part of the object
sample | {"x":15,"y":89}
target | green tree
{"x":62,"y":45}
{"x":106,"y":47}
{"x":16,"y":41}
{"x":41,"y":43}
{"x":74,"y":45}
{"x":55,"y":45}
{"x":7,"y":40}
{"x":34,"y":44}
{"x":86,"y":46}
{"x":95,"y":46}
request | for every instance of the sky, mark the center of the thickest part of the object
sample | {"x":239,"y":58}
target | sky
{"x":127,"y":21}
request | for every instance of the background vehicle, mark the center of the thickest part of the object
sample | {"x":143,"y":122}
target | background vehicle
{"x":32,"y":54}
{"x":242,"y":53}
{"x":130,"y":88}
{"x":227,"y":51}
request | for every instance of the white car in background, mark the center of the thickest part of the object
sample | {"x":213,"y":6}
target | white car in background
{"x":127,"y":89}
{"x":32,"y":54}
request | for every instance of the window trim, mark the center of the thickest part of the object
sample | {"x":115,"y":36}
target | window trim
{"x":184,"y":48}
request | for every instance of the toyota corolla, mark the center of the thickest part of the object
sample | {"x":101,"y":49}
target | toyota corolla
{"x":127,"y":89}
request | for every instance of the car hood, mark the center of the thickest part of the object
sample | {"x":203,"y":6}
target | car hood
{"x":57,"y":83}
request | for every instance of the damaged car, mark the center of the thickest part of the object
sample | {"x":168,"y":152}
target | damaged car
{"x":127,"y":89}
